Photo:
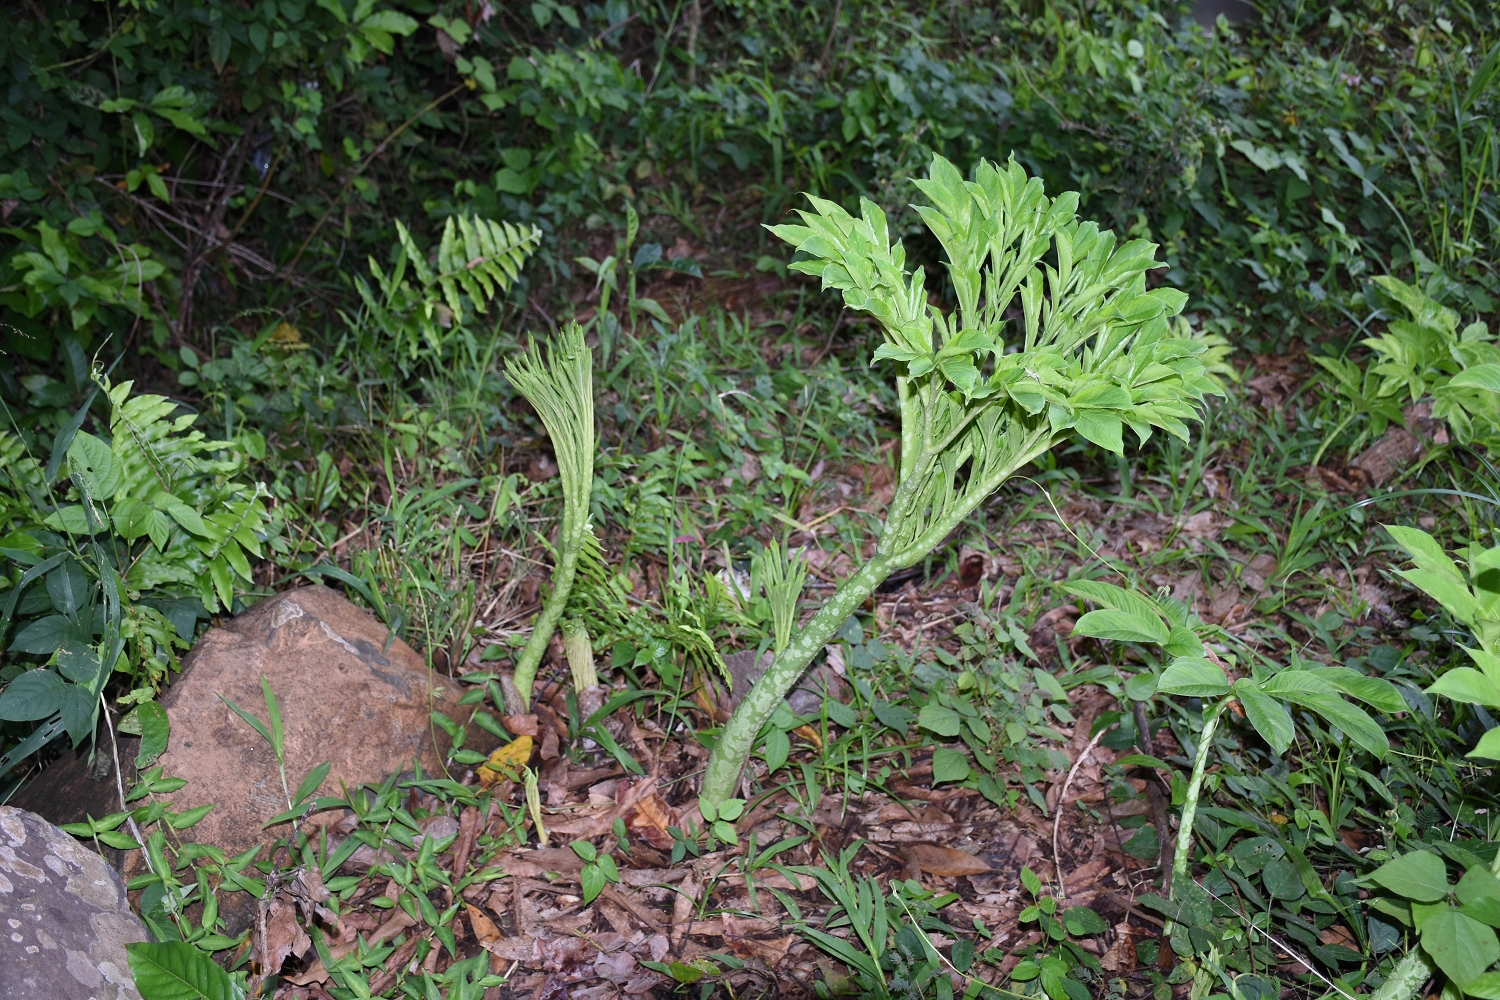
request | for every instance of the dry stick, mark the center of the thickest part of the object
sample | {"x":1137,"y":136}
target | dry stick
{"x":1167,"y":852}
{"x":210,"y":222}
{"x":135,"y":831}
{"x":833,"y":30}
{"x":695,"y":18}
{"x":318,"y":227}
{"x":1062,"y":803}
{"x":249,"y":211}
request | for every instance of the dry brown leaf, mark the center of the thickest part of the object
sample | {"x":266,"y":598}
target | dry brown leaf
{"x":645,"y":811}
{"x":284,"y":936}
{"x":945,"y":861}
{"x":772,"y":951}
{"x":468,"y":829}
{"x":682,"y":909}
{"x":485,"y":930}
{"x":521,"y":725}
{"x":397,"y":923}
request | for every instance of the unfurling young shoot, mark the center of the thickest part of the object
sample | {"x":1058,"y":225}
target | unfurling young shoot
{"x":580,"y":653}
{"x":534,"y":806}
{"x":783,"y":575}
{"x":981,"y":395}
{"x":562,"y":392}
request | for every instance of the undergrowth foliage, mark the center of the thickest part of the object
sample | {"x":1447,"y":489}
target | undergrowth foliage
{"x":316,"y":237}
{"x":131,"y":538}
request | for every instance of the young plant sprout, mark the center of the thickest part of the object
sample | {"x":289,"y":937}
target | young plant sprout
{"x":562,"y":392}
{"x":782,"y":574}
{"x":982,"y":394}
{"x":580,"y":653}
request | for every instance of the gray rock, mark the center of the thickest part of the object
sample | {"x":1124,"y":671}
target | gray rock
{"x":65,"y":917}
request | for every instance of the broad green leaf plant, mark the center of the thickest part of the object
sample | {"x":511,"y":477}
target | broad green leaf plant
{"x":1423,"y":355}
{"x":1093,"y":352}
{"x":1473,"y":599}
{"x":1262,"y":696}
{"x":109,"y":556}
{"x":561,"y":389}
{"x":1455,"y":924}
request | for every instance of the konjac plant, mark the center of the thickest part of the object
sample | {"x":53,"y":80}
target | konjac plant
{"x":988,"y":387}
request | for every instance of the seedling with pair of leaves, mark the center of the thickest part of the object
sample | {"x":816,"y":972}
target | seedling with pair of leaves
{"x":1166,"y":624}
{"x":598,"y":870}
{"x":720,"y":819}
{"x":1060,"y":927}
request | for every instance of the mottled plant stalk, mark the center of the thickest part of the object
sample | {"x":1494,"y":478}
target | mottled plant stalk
{"x":1194,"y":790}
{"x":562,"y":392}
{"x":905,"y":538}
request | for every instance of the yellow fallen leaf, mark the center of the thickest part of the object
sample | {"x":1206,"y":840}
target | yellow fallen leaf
{"x":506,"y":762}
{"x":288,"y":338}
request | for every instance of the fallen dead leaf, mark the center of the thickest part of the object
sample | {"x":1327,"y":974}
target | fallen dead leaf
{"x":284,"y":936}
{"x":521,"y":725}
{"x":647,"y":815}
{"x":397,"y":923}
{"x":507,"y":761}
{"x":945,"y":861}
{"x":485,"y":930}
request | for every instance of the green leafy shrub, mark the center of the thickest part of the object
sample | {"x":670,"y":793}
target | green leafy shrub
{"x":1424,"y":355}
{"x":1455,"y":924}
{"x":981,"y":394}
{"x":1473,"y":599}
{"x":112,"y":552}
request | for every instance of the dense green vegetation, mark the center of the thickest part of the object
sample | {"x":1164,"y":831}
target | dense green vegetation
{"x":263,"y":267}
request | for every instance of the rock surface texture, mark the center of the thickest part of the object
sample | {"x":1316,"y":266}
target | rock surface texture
{"x":65,"y":918}
{"x":348,"y":694}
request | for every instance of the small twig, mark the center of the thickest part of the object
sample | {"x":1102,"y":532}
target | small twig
{"x":318,"y":227}
{"x":1062,"y":804}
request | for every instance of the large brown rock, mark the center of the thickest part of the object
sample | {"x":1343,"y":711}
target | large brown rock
{"x":64,"y":915}
{"x":349,"y":693}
